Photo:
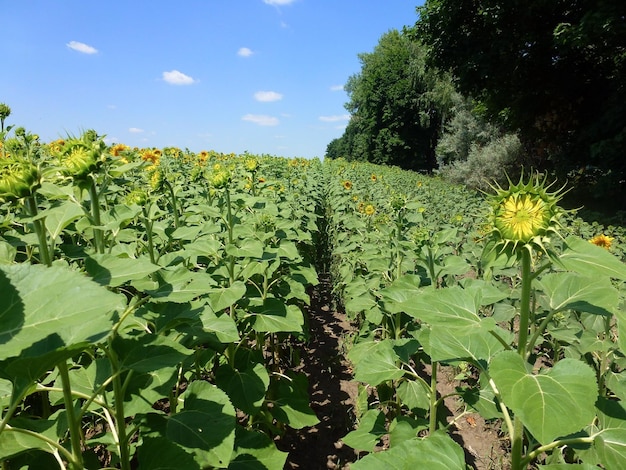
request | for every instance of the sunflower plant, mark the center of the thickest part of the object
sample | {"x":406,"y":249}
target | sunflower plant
{"x":535,"y":312}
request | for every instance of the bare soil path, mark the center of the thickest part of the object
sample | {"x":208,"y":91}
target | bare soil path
{"x":332,"y":391}
{"x":333,"y":396}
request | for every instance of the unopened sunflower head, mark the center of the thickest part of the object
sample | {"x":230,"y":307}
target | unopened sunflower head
{"x":220,"y":179}
{"x":525,"y":215}
{"x":19,"y":178}
{"x":251,"y":164}
{"x":78,"y":162}
{"x":156,"y":179}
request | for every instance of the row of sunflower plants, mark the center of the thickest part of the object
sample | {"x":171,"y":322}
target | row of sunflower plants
{"x":150,"y":299}
{"x":507,"y":287}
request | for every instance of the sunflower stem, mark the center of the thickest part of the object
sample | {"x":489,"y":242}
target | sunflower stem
{"x":40,"y":230}
{"x":147,"y":222}
{"x":173,"y":202}
{"x":432,"y":417}
{"x":76,"y":437}
{"x":524,"y":303}
{"x":95,"y":213}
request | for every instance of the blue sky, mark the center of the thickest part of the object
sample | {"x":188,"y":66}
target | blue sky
{"x":263,"y":76}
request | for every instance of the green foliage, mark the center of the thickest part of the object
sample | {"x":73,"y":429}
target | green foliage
{"x":153,"y":315}
{"x":164,"y":329}
{"x":539,"y":331}
{"x":552,"y":71}
{"x":396,"y":107}
{"x":486,"y":164}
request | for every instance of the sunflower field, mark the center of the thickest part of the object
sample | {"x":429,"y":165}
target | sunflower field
{"x":151,"y":299}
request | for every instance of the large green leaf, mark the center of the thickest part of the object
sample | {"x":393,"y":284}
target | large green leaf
{"x":276,"y":317}
{"x":86,"y":380}
{"x":159,"y":453}
{"x":113,"y":271}
{"x":13,"y":442}
{"x":248,"y":248}
{"x":6,"y":389}
{"x":404,"y":428}
{"x":616,"y":382}
{"x":368,"y":433}
{"x":150,"y":353}
{"x":475,"y":344}
{"x":551,"y":405}
{"x":220,"y":298}
{"x":206,"y":425}
{"x":610,"y":441}
{"x":291,"y":401}
{"x":573,"y":291}
{"x":39,"y":303}
{"x":414,"y":394}
{"x":453,"y":307}
{"x":620,"y":314}
{"x":435,"y":452}
{"x":403,"y":289}
{"x":180,"y":285}
{"x":245,"y":388}
{"x":255,"y":451}
{"x":379,"y":365}
{"x":590,"y":260}
{"x":59,"y":217}
{"x":221,"y":324}
{"x":144,"y":390}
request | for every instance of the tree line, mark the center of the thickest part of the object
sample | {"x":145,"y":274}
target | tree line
{"x":476,"y":87}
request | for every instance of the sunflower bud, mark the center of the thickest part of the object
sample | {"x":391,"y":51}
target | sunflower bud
{"x":78,"y":162}
{"x":398,"y":201}
{"x":137,"y":196}
{"x":525,"y":214}
{"x":156,"y":179}
{"x":18,"y":179}
{"x":220,"y":180}
{"x":251,"y":164}
{"x":81,"y":156}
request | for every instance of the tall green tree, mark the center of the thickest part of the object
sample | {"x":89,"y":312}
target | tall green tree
{"x":554,"y":71}
{"x":395,"y":115}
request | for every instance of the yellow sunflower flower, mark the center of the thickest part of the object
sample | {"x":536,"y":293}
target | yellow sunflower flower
{"x":602,"y":241}
{"x":152,"y":156}
{"x":347,"y":185}
{"x":369,"y":210}
{"x":117,"y":149}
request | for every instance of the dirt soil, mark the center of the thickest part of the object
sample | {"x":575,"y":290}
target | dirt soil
{"x":333,"y":397}
{"x":332,"y":391}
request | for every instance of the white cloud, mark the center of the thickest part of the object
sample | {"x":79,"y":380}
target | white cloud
{"x":244,"y":52}
{"x":82,"y":47}
{"x":177,"y":78}
{"x":135,"y":130}
{"x":335,"y":118}
{"x":261,"y":119}
{"x":278,"y":2}
{"x":267,"y":96}
{"x":336,"y":88}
